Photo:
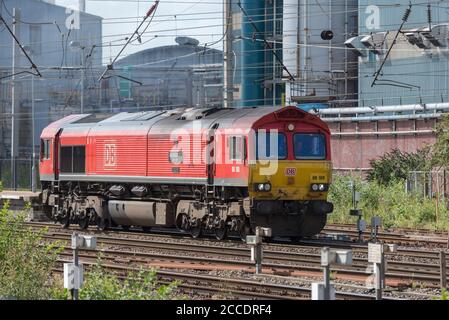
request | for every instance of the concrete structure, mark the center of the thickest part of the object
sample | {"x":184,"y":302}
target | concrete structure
{"x":59,"y":41}
{"x":318,"y":68}
{"x":314,"y":35}
{"x":313,"y":50}
{"x":358,"y":138}
{"x":46,"y":31}
{"x":178,"y":75}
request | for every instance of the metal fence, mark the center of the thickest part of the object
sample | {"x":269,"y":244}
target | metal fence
{"x":21,"y":179}
{"x":431,"y":184}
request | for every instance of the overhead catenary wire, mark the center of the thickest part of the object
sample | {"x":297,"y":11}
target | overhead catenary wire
{"x":33,"y":66}
{"x":254,"y":66}
{"x":167,"y":30}
{"x":326,"y":47}
{"x":404,"y":20}
{"x":150,"y":12}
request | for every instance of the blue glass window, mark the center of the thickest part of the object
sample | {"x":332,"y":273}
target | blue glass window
{"x":266,"y":148}
{"x":309,"y":146}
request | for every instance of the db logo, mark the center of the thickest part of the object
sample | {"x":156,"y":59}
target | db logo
{"x":290,"y":172}
{"x":110,"y":156}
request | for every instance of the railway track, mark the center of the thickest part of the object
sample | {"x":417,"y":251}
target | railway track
{"x":400,"y":236}
{"x":127,"y":249}
{"x":226,"y":287}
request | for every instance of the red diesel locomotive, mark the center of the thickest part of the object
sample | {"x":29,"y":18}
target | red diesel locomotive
{"x":210,"y":170}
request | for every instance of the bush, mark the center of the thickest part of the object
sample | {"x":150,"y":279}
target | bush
{"x":25,"y":261}
{"x":391,"y":202}
{"x":100,"y":284}
{"x":396,"y":165}
{"x":440,"y":150}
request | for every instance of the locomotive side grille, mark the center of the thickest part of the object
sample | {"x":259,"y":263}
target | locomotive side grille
{"x":160,"y":147}
{"x":121,"y":156}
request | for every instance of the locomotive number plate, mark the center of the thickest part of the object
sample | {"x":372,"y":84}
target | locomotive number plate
{"x":290,"y":172}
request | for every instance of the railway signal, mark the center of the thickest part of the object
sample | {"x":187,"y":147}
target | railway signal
{"x":361,"y":224}
{"x":376,"y":256}
{"x":256,"y":246}
{"x":325,"y":290}
{"x":376,"y":223}
{"x":73,"y":272}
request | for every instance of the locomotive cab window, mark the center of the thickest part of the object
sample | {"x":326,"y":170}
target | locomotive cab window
{"x":45,"y":149}
{"x":73,"y":159}
{"x":309,"y":146}
{"x":271,"y":146}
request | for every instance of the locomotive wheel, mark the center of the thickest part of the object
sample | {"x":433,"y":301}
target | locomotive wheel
{"x":146,"y":229}
{"x":65,"y":220}
{"x":83,"y":223}
{"x":221,"y":233}
{"x":125,"y":228}
{"x":196,"y":232}
{"x":102,"y":224}
{"x":244,"y":231}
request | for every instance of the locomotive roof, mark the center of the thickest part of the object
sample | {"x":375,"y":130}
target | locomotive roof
{"x":165,"y":120}
{"x":176,"y":118}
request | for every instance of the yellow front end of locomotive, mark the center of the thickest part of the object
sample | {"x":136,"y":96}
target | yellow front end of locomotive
{"x":290,"y":180}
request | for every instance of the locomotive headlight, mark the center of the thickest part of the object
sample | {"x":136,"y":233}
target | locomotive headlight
{"x":321,"y":187}
{"x":262,"y":187}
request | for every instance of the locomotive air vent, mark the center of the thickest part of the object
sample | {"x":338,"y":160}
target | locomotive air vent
{"x":196,"y":114}
{"x":144,"y":116}
{"x":94,"y":118}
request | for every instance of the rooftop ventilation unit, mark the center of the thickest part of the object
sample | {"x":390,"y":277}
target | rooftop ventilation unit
{"x":187,"y":41}
{"x":197,"y":114}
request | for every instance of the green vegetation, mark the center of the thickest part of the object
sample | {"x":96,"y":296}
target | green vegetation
{"x":440,"y":150}
{"x":100,"y":284}
{"x":444,"y":295}
{"x":25,"y":262}
{"x":396,"y":165}
{"x":391,"y":202}
{"x":384,"y":193}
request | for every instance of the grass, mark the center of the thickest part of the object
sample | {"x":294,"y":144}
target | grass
{"x":392,"y":203}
